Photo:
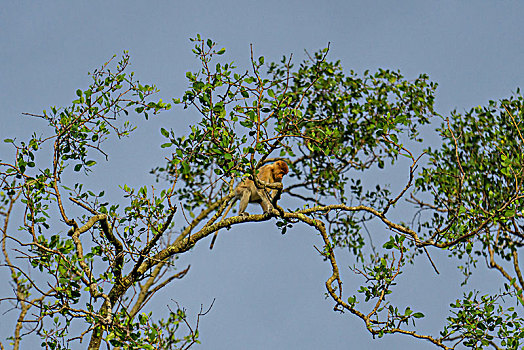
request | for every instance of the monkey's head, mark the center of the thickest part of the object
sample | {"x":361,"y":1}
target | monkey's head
{"x":280,"y":169}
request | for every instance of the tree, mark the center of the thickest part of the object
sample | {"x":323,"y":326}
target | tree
{"x":332,"y":128}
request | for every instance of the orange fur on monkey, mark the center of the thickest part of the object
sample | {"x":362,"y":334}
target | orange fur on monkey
{"x":247,"y":192}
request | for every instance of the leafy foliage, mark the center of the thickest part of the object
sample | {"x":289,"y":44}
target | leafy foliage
{"x":333,"y":128}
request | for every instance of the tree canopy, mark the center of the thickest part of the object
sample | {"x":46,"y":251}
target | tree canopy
{"x":96,"y":270}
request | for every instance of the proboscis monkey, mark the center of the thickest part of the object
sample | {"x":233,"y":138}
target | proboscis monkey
{"x":247,"y":191}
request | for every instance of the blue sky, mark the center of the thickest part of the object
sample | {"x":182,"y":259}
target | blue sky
{"x":268,"y":288}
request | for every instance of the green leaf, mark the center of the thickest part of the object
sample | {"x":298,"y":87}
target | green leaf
{"x":221,"y":51}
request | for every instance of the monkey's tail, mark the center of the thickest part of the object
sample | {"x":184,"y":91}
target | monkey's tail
{"x":223,"y":217}
{"x":213,"y":240}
